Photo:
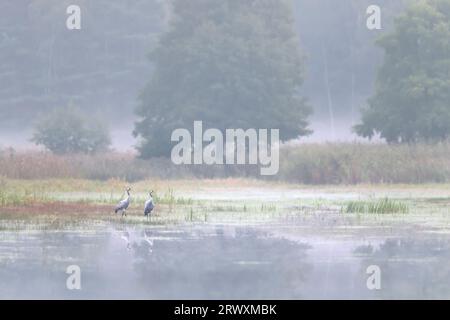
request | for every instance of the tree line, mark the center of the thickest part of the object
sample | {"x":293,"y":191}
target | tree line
{"x":239,"y":64}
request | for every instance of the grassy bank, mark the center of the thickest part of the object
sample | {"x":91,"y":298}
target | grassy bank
{"x":62,"y":203}
{"x":312,"y":164}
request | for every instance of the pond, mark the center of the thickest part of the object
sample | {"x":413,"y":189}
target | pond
{"x":295,"y":259}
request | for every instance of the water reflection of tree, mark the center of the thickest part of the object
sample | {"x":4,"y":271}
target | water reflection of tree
{"x":245,"y":264}
{"x":412,"y":268}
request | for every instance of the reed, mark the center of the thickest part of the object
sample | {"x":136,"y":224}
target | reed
{"x":319,"y":164}
{"x":378,"y":206}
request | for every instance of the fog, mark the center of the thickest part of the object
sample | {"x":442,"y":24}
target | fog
{"x":123,"y":140}
{"x":103,"y":67}
{"x":222,"y":262}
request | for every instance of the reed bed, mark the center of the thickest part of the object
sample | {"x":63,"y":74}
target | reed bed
{"x":355,"y":163}
{"x":311,"y":164}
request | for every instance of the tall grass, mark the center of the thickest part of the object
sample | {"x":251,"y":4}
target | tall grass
{"x":14,"y":196}
{"x":169,"y":198}
{"x":379,"y":206}
{"x":44,"y":165}
{"x":332,"y":163}
{"x":347,"y":163}
{"x":33,"y":165}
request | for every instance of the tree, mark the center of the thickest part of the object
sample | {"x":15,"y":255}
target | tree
{"x":229,"y":63}
{"x":67,"y":130}
{"x":100,"y":67}
{"x":341,"y":54}
{"x":412,"y":99}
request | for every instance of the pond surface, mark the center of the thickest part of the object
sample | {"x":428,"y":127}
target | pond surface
{"x":282,"y":260}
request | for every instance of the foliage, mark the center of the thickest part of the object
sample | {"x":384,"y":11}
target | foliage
{"x":231,"y":64}
{"x":412,"y":99}
{"x":67,"y":130}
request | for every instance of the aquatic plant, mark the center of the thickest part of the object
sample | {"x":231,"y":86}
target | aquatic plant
{"x":378,"y":206}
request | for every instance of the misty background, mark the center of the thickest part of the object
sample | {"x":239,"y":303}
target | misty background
{"x":103,"y":67}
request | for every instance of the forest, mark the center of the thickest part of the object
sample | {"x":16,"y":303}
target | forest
{"x":103,"y":68}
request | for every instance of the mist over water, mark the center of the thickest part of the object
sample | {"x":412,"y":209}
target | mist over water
{"x":223,"y":262}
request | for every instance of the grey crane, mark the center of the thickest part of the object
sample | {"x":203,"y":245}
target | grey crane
{"x":149,"y":206}
{"x":123,"y":205}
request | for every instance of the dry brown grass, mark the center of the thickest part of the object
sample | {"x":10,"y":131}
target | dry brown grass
{"x":338,"y":163}
{"x":356,"y":163}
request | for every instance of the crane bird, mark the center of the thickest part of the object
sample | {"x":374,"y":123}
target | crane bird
{"x":123,"y":205}
{"x":149,"y":206}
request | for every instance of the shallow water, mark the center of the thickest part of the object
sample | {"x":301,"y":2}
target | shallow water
{"x":316,"y":258}
{"x":267,"y":194}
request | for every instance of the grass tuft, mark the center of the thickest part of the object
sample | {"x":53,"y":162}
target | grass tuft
{"x":379,"y":206}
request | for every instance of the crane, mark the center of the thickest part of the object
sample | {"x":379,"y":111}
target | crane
{"x":123,"y":205}
{"x":149,"y":206}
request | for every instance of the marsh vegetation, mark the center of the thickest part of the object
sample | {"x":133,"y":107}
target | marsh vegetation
{"x":311,"y":164}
